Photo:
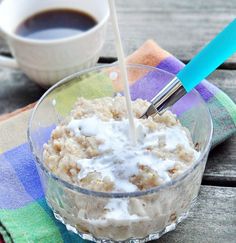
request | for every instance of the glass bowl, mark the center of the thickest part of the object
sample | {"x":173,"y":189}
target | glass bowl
{"x":80,"y":209}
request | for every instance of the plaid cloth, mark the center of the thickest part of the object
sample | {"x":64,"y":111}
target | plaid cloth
{"x":24,"y":214}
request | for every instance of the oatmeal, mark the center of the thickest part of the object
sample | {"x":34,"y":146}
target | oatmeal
{"x":91,"y":148}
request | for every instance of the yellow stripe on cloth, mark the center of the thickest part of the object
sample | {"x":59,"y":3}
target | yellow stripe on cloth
{"x":13,"y":131}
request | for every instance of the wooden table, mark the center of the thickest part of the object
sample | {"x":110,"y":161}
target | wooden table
{"x":181,"y":27}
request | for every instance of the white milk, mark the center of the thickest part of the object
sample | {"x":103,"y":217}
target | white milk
{"x":120,"y":160}
{"x":124,"y":76}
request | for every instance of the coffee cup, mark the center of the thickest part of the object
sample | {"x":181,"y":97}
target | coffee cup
{"x":48,"y":61}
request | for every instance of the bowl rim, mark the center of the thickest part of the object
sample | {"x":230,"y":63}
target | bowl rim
{"x":115,"y":194}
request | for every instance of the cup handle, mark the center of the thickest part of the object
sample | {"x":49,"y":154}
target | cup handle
{"x":8,"y":62}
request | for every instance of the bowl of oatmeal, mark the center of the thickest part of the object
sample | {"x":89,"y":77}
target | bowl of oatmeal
{"x":99,"y":184}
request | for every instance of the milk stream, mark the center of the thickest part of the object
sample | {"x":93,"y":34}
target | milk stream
{"x":124,"y":75}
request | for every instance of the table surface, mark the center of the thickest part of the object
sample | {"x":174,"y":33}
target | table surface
{"x":181,"y":27}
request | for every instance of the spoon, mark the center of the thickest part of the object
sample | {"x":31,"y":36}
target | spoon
{"x":203,"y":64}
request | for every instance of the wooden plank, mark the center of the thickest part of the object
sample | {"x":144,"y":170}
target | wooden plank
{"x":16,"y":90}
{"x":221,"y":164}
{"x":181,"y":27}
{"x":212,"y":220}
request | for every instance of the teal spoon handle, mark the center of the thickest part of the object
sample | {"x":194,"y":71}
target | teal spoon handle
{"x":204,"y":63}
{"x":209,"y":58}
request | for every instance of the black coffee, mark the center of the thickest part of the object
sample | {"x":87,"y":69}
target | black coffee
{"x":55,"y":24}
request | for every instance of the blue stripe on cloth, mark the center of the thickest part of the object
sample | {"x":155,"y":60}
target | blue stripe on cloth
{"x":12,"y":193}
{"x":20,"y":185}
{"x":21,"y":159}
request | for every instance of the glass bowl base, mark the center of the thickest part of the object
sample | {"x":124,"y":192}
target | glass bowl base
{"x":153,"y":236}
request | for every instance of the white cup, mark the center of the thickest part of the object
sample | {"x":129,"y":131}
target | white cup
{"x":48,"y":61}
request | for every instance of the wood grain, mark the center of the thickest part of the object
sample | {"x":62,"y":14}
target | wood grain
{"x":212,"y":220}
{"x":16,"y":90}
{"x":221,"y":165}
{"x":181,"y":27}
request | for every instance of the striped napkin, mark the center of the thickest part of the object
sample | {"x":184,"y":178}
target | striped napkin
{"x":24,"y":214}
